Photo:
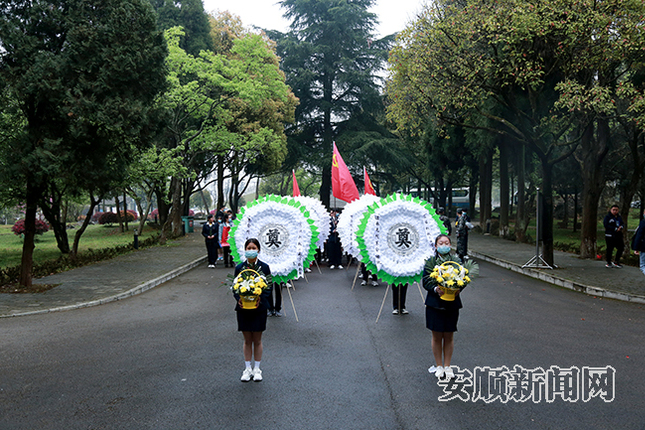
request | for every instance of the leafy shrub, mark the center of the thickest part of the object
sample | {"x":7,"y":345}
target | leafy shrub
{"x":108,"y":218}
{"x":9,"y":275}
{"x":153,"y":214}
{"x":131,"y":215}
{"x":95,"y":217}
{"x":19,"y":227}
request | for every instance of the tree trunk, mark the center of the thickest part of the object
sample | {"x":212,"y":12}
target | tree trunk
{"x":86,"y":222}
{"x":220,"y":182}
{"x":125,"y":212}
{"x":52,"y":212}
{"x":176,"y":211}
{"x":118,"y":212}
{"x":592,"y":155}
{"x":472,"y":190}
{"x":201,"y":193}
{"x":575,"y":211}
{"x":485,"y":187}
{"x":521,"y":221}
{"x":328,"y":137}
{"x":28,"y":246}
{"x":503,"y":190}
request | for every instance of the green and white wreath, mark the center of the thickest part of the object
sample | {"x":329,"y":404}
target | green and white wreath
{"x":320,"y":216}
{"x":396,"y":236}
{"x":349,"y":220}
{"x":285,"y":230}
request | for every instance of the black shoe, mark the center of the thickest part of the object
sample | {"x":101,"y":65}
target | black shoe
{"x":618,"y":265}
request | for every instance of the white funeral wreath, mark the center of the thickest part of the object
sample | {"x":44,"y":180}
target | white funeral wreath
{"x":396,"y":236}
{"x":320,"y":216}
{"x":286,"y":233}
{"x":348,"y":222}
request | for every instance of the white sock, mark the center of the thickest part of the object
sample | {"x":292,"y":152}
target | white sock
{"x":257,"y":364}
{"x":248,"y":364}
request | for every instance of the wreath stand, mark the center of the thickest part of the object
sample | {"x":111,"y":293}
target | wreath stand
{"x":356,"y":277}
{"x":291,"y":298}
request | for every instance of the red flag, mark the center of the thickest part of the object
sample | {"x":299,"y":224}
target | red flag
{"x":296,"y":189}
{"x":369,"y":189}
{"x":342,"y":183}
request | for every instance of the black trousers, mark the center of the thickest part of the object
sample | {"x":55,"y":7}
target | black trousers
{"x":365,"y":273}
{"x":617,"y":243}
{"x":226,"y":251}
{"x":277,"y":292}
{"x":211,"y":247}
{"x":403,"y":290}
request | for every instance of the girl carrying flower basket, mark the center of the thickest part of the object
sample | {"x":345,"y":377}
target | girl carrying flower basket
{"x":252,"y":288}
{"x":444,"y":278}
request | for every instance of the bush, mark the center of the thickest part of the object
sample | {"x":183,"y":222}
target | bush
{"x":19,"y":227}
{"x":154,"y":214}
{"x":95,"y":217}
{"x":108,"y":218}
{"x":131,"y":215}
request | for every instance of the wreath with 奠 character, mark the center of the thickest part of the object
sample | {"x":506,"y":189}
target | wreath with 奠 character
{"x":396,"y":236}
{"x":286,"y":232}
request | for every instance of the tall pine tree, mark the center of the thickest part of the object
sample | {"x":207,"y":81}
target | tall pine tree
{"x":331,"y":60}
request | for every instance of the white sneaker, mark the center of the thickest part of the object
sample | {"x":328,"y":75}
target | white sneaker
{"x":439,"y":372}
{"x":307,"y":270}
{"x":364,"y":283}
{"x":257,"y":375}
{"x":395,"y":312}
{"x":404,"y":312}
{"x":332,"y":267}
{"x":247,"y":375}
{"x":449,"y":373}
{"x":374,"y":284}
{"x":340,"y":266}
{"x":432,"y":369}
{"x":210,"y":265}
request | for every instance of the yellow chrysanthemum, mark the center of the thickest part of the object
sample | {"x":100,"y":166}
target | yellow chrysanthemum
{"x":460,"y":283}
{"x":450,"y":283}
{"x":257,"y":291}
{"x":466,"y":278}
{"x":243,"y":289}
{"x":439,"y":279}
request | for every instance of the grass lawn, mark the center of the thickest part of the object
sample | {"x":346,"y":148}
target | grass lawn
{"x":95,"y":237}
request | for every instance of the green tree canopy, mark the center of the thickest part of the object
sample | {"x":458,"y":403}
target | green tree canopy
{"x":331,"y":59}
{"x":83,"y":90}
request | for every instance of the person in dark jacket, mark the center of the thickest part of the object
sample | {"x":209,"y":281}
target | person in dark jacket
{"x":441,"y":315}
{"x":252,"y":322}
{"x":445,"y":220}
{"x":210,"y":231}
{"x":463,"y":222}
{"x":638,"y":243}
{"x":614,"y":236}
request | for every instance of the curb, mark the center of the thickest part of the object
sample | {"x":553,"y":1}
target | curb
{"x":560,"y":282}
{"x":124,"y":295}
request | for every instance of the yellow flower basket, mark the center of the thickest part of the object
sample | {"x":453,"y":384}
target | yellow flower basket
{"x":450,"y":277}
{"x":250,"y":302}
{"x":249,"y":284}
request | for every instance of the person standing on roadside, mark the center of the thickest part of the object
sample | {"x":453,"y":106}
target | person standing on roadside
{"x":210,"y":231}
{"x":638,"y":243}
{"x":614,"y":236}
{"x":463,"y":223}
{"x":445,"y":220}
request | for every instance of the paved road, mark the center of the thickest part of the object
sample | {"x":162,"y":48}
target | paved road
{"x":171,"y":359}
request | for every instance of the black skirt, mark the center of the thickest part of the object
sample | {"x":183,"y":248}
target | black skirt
{"x":441,"y":319}
{"x":252,"y":319}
